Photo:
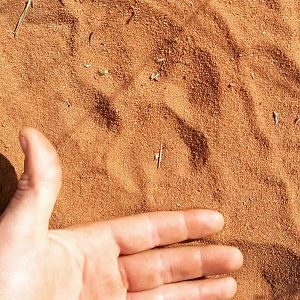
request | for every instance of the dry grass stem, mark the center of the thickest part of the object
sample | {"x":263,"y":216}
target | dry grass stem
{"x":159,"y":156}
{"x":23,"y":16}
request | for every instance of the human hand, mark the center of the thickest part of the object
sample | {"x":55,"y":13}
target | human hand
{"x":111,"y":260}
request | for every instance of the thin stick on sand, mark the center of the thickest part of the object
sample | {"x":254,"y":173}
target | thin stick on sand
{"x":23,"y":15}
{"x":91,"y":37}
{"x":159,"y":156}
{"x":133,"y":14}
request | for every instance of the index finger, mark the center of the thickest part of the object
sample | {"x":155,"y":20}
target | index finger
{"x":146,"y":231}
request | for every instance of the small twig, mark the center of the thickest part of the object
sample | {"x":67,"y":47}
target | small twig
{"x":297,"y":120}
{"x":159,"y":159}
{"x":23,"y":15}
{"x":133,"y":14}
{"x":69,"y":103}
{"x":62,"y":2}
{"x":276,"y":117}
{"x":90,"y":38}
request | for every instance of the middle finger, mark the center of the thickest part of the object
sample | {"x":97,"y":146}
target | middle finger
{"x":153,"y":268}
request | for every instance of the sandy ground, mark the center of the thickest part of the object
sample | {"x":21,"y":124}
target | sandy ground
{"x":216,"y":83}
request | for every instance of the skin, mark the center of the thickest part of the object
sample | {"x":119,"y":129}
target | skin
{"x":114,"y":260}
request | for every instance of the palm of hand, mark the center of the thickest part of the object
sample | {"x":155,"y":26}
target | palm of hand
{"x":115,"y":259}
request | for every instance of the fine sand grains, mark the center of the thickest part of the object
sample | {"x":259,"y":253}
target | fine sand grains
{"x":210,"y":89}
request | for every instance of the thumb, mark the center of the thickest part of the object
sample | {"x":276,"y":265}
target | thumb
{"x":32,"y":205}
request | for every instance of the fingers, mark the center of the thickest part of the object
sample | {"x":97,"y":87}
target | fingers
{"x":154,"y":268}
{"x":39,"y":185}
{"x":208,"y":289}
{"x":146,"y":231}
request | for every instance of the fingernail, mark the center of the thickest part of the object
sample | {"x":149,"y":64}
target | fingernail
{"x":23,"y":143}
{"x":218,"y":219}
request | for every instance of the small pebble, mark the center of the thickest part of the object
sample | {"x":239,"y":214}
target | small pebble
{"x":155,"y":76}
{"x":276,"y":117}
{"x":103,"y":72}
{"x":159,"y":60}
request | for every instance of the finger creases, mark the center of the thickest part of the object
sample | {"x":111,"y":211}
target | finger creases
{"x":207,"y":289}
{"x":147,"y":231}
{"x":154,"y":268}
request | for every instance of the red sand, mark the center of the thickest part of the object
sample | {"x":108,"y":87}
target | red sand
{"x":224,"y":68}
